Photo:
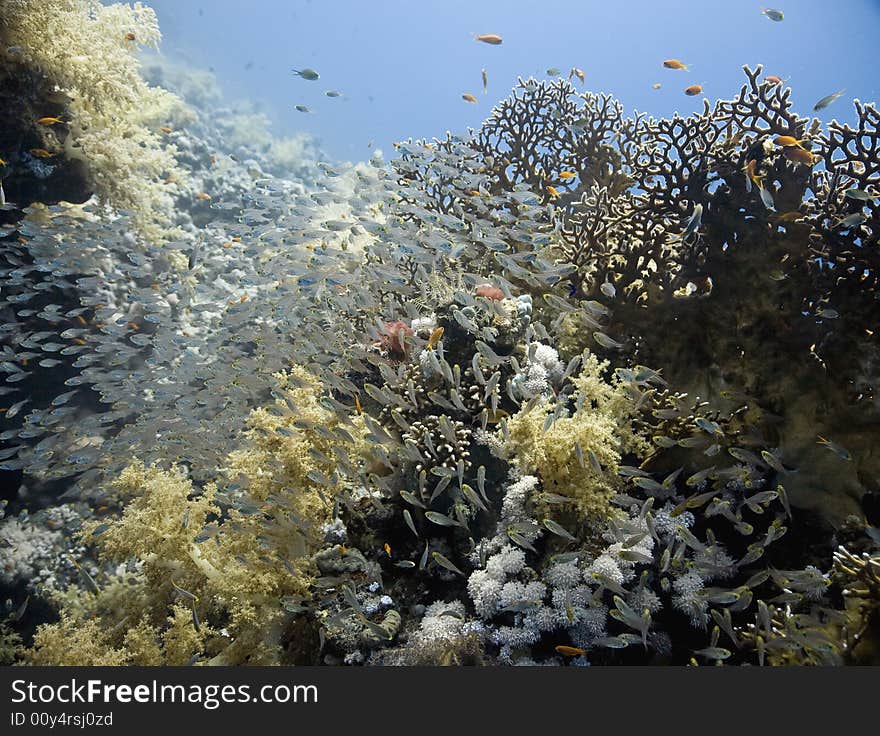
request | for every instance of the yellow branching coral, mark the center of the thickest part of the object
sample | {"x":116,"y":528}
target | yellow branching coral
{"x":88,"y":51}
{"x":198,"y":579}
{"x":579,"y":455}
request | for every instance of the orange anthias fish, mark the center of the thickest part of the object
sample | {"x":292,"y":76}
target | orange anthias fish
{"x":788,"y":141}
{"x":800,"y":156}
{"x":553,"y":192}
{"x":491,"y":38}
{"x":566,"y":175}
{"x":41,"y":153}
{"x":675,"y":64}
{"x":165,"y":129}
{"x":203,"y":195}
{"x":468,"y":97}
{"x":773,"y":79}
{"x":570,"y":651}
{"x":435,"y":337}
{"x":751,"y":173}
{"x":694,"y":89}
{"x":50,"y":121}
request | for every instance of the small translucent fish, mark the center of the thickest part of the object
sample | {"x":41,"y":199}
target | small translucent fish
{"x":472,"y":497}
{"x":774,"y":15}
{"x":50,"y":121}
{"x":707,"y":425}
{"x":559,"y":303}
{"x":468,"y":97}
{"x":485,"y":80}
{"x":519,"y":540}
{"x":411,"y":499}
{"x":853,"y":220}
{"x":309,"y":74}
{"x":663,"y":441}
{"x":693,"y":502}
{"x":87,"y":579}
{"x":608,"y":290}
{"x":490,"y":38}
{"x":606,"y":342}
{"x":553,"y":72}
{"x":405,"y":564}
{"x":626,"y":615}
{"x":554,"y":498}
{"x":301,"y":108}
{"x":558,"y":530}
{"x":579,"y":73}
{"x":333,"y":93}
{"x":693,"y":90}
{"x":714,"y":653}
{"x":611,"y":642}
{"x":656,"y":85}
{"x":841,"y":452}
{"x":826,"y":101}
{"x":567,"y":651}
{"x":860,"y":195}
{"x":407,"y":517}
{"x":675,"y":64}
{"x":445,"y":563}
{"x":594,"y":461}
{"x":441,"y":519}
{"x":767,"y":198}
{"x":648,"y":484}
{"x":634,"y":555}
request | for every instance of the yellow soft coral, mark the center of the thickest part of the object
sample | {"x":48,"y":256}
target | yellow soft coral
{"x":600,"y":427}
{"x":195,"y":579}
{"x":88,"y":51}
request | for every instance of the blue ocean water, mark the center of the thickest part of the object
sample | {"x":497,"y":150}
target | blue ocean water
{"x":403,"y":66}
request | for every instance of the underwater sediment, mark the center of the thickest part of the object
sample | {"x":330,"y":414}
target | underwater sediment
{"x":571,"y":388}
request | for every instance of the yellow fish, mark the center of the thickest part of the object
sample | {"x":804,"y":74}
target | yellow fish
{"x":435,"y":337}
{"x":50,"y":121}
{"x":566,"y":175}
{"x":570,"y":651}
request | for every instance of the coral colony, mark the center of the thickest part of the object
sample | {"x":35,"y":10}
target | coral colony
{"x":569,"y":389}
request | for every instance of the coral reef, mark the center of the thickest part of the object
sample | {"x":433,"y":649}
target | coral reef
{"x":460,"y":409}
